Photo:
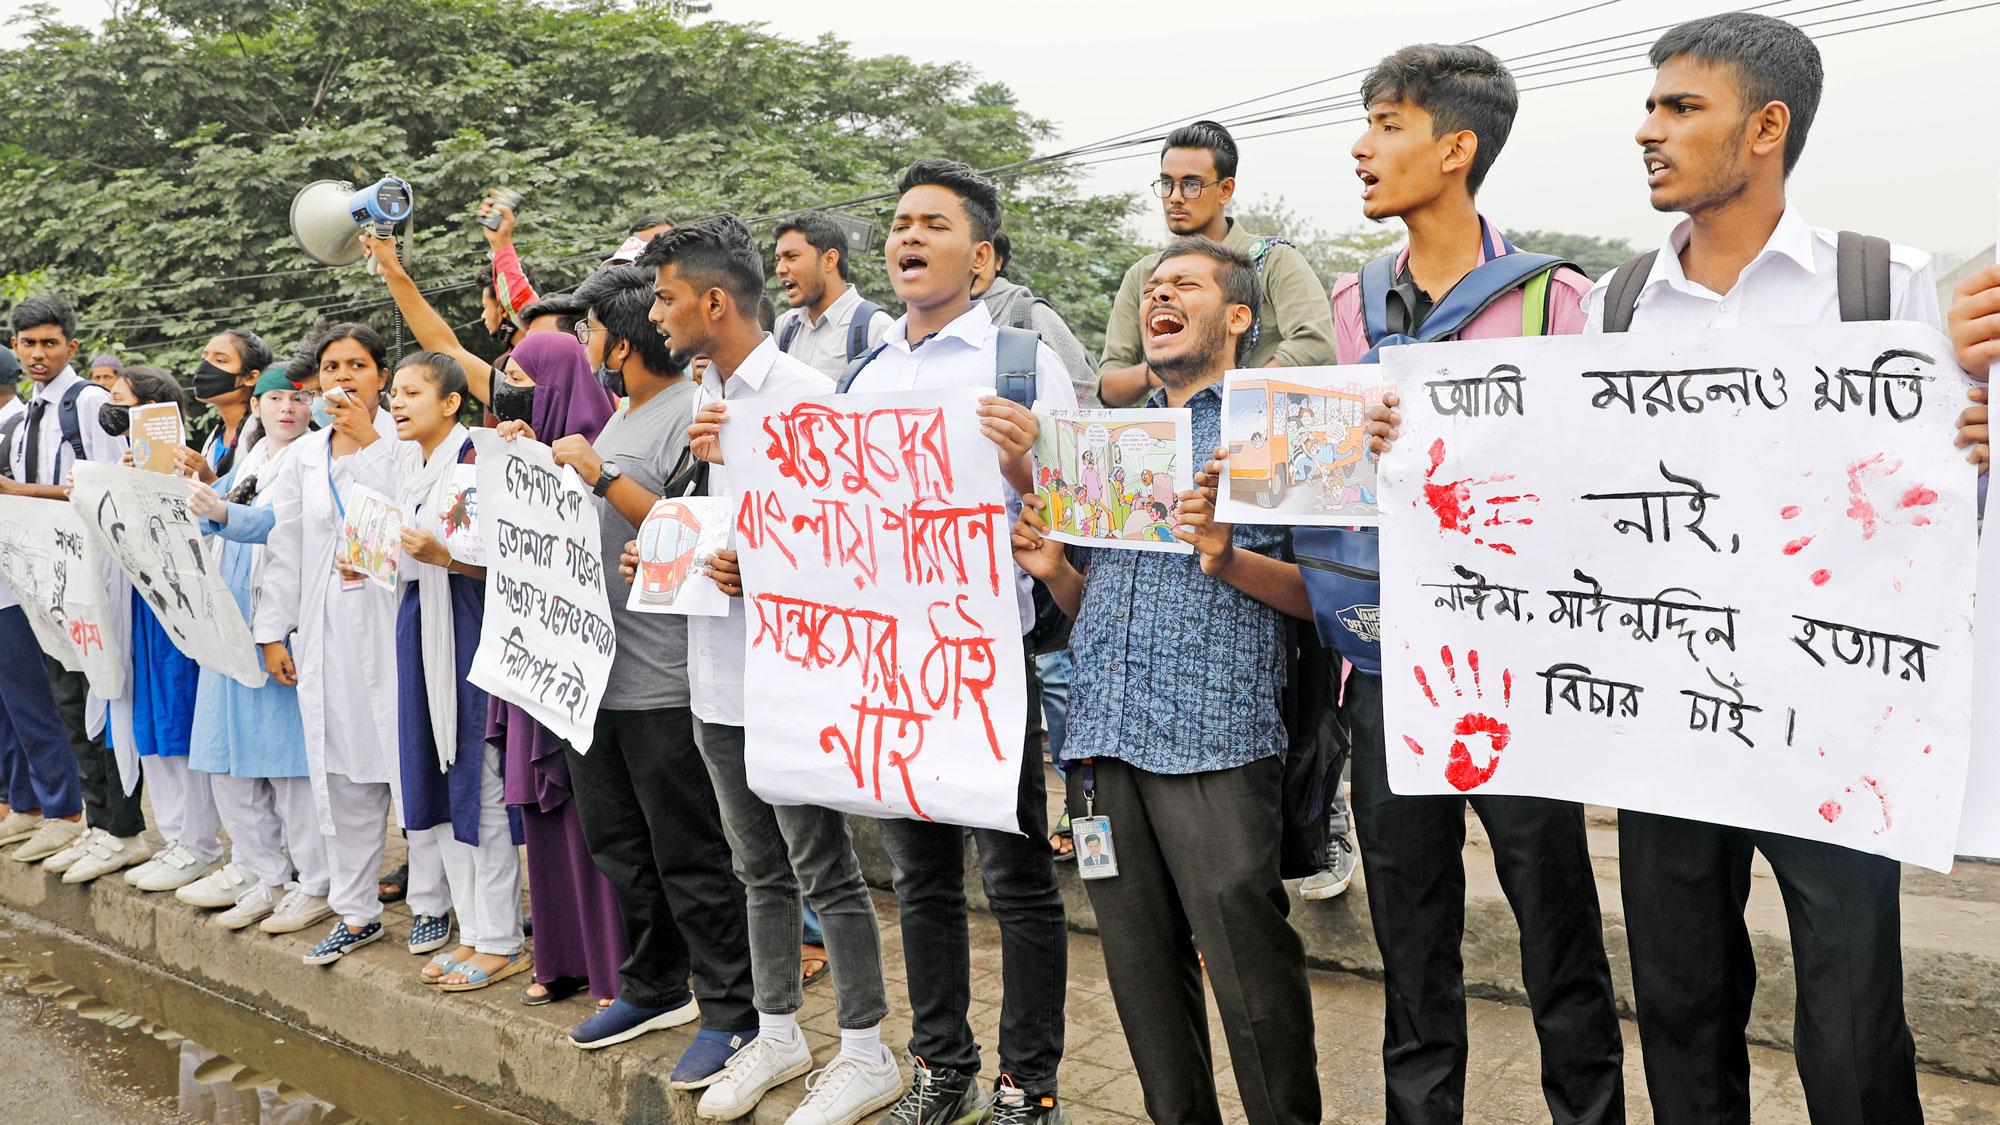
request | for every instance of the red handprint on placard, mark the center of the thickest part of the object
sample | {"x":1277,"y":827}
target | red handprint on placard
{"x":1452,"y":503}
{"x":1461,"y":770}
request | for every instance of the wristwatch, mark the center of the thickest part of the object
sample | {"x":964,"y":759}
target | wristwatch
{"x":605,"y":476}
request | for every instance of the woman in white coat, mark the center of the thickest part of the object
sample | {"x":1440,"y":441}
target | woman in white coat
{"x":342,"y":630}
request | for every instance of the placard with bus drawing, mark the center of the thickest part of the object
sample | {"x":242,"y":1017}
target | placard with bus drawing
{"x":1297,"y":444}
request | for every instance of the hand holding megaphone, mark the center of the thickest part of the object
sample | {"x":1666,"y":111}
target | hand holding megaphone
{"x":381,"y":253}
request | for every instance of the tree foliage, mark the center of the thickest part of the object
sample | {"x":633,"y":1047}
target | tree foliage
{"x":142,"y":161}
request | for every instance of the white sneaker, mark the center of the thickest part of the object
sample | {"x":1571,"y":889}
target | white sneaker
{"x":256,"y":903}
{"x":65,"y":859}
{"x":50,"y":837}
{"x":171,"y":870}
{"x":105,"y":854}
{"x":295,"y":912}
{"x":223,"y":887}
{"x":847,"y":1090}
{"x":18,"y":826}
{"x":760,"y":1067}
{"x":133,"y":874}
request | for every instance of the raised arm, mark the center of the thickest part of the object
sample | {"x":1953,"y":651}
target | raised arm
{"x":432,"y":333}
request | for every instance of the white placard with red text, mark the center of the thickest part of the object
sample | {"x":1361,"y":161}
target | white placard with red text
{"x":885,"y":672}
{"x":1724,"y":576}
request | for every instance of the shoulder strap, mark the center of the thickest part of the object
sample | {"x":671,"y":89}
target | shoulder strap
{"x":857,"y":328}
{"x":1862,"y":274}
{"x":1260,"y":252}
{"x":72,"y":426}
{"x":853,"y":369}
{"x":1014,"y":365}
{"x":1621,"y":294}
{"x":7,"y":431}
{"x":1535,"y":304}
{"x":1476,"y":291}
{"x":1377,"y":278}
{"x":789,"y":331}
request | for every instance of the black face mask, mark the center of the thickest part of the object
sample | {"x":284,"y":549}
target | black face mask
{"x":611,"y":379}
{"x":116,"y":420}
{"x":211,"y":381}
{"x":513,"y":403}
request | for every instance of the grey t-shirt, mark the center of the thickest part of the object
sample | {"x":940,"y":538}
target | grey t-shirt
{"x":650,"y":670}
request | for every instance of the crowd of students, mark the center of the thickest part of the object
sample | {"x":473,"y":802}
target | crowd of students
{"x":662,"y":885}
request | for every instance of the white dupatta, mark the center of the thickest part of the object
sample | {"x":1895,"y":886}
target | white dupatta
{"x":429,"y":489}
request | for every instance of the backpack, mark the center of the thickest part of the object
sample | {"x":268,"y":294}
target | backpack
{"x":1014,"y":361}
{"x":66,"y":414}
{"x":1260,"y":251}
{"x":1861,"y":275}
{"x":857,"y":330}
{"x":1342,"y":566}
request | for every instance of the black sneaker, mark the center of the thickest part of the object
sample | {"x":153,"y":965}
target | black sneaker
{"x":1013,"y":1106}
{"x":939,"y":1097}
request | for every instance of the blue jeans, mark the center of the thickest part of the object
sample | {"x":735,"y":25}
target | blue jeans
{"x":1054,"y":669}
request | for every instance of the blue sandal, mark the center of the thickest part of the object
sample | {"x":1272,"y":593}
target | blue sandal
{"x":476,"y":978}
{"x":443,"y":962}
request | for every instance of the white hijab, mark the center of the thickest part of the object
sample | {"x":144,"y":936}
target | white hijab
{"x":429,"y":489}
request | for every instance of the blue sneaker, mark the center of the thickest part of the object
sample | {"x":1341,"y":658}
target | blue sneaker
{"x":622,"y":1021}
{"x":429,"y":933}
{"x":701,"y":1064}
{"x":339,"y":941}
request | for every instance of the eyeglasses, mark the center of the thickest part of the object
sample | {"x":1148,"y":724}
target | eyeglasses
{"x":582,"y":331}
{"x":1190,"y":187}
{"x":295,"y":398}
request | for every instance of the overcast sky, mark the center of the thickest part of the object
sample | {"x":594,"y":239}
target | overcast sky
{"x":1903,"y":145}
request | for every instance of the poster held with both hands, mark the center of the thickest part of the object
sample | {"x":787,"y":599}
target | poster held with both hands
{"x":678,"y":538}
{"x":1112,"y":478}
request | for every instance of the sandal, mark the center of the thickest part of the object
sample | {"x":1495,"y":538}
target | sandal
{"x":1062,"y":841}
{"x":810,"y":956}
{"x":393,"y":886}
{"x":477,"y":978}
{"x":439,"y":967}
{"x":561,"y":988}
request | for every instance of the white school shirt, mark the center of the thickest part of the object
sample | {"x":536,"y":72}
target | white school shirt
{"x":53,"y":455}
{"x":822,"y":344}
{"x":1792,"y":280}
{"x":961,"y":354}
{"x":717,"y":646}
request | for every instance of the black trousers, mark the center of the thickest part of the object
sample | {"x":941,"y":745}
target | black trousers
{"x":106,"y":805}
{"x":1693,"y":974}
{"x":650,"y":820}
{"x":1412,"y":855}
{"x":1198,"y":881}
{"x":1019,"y":872}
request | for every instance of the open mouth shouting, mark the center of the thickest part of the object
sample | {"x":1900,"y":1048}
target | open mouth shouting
{"x":910,"y":265}
{"x":1657,"y":167}
{"x":1368,"y":182}
{"x":1164,"y":324}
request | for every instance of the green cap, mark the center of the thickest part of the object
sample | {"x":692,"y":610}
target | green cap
{"x":274,"y":379}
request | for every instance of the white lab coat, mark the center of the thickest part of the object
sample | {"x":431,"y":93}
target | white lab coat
{"x":345,"y":643}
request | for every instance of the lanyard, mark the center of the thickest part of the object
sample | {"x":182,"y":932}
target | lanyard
{"x":338,"y":505}
{"x":1089,"y":787}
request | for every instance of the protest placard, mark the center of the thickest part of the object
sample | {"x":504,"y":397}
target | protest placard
{"x":1110,"y":478}
{"x":546,"y":642}
{"x":372,"y":536}
{"x":157,"y":436}
{"x":141,"y":520}
{"x":885,"y":672}
{"x":461,"y":517}
{"x":56,"y":572}
{"x":1725,"y":576}
{"x":675,"y":542}
{"x":1297,"y":446}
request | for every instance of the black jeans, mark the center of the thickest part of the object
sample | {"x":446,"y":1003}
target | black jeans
{"x":650,"y":820}
{"x":106,"y":805}
{"x":1198,"y":881}
{"x":1693,"y":973}
{"x":1019,"y":874}
{"x":1412,"y":856}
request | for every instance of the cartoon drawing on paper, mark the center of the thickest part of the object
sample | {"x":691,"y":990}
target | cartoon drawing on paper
{"x":674,"y":542}
{"x":1111,"y":477}
{"x":1298,"y":448}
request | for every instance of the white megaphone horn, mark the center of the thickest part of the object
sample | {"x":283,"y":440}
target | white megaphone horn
{"x":327,"y":216}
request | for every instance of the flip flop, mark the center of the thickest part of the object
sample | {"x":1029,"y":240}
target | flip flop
{"x":477,"y":979}
{"x":399,"y":879}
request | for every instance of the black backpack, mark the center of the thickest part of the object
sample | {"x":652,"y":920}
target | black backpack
{"x":1861,"y":273}
{"x":66,"y":413}
{"x":857,"y":330}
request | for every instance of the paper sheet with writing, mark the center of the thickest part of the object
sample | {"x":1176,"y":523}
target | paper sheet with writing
{"x":675,"y":543}
{"x":54,"y":567}
{"x":1111,"y":478}
{"x":372,"y":536}
{"x":885,"y":672}
{"x":1297,"y":444}
{"x":1722,"y":575}
{"x":546,"y":642}
{"x":157,"y":436}
{"x":141,"y":520}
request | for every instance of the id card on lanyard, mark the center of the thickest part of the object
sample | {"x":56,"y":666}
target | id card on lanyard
{"x":348,"y":581}
{"x":1096,"y":854}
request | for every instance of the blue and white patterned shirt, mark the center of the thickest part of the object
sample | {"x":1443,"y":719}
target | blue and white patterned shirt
{"x":1176,"y":672}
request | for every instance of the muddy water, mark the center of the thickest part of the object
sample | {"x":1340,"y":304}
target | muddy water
{"x":87,"y":1034}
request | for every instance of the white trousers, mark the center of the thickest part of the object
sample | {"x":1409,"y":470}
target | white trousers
{"x":485,"y":878}
{"x":354,"y":849}
{"x":427,"y":893}
{"x":183,"y":806}
{"x":268,"y":817}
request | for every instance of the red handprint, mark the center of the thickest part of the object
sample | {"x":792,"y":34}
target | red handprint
{"x":1460,"y":771}
{"x":1451,"y":502}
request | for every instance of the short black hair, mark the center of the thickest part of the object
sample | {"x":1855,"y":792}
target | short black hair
{"x":1461,"y":86}
{"x":1003,"y":252}
{"x":444,"y":373}
{"x":153,"y":384}
{"x":45,"y":309}
{"x":567,"y":308}
{"x":1211,"y":135}
{"x":250,"y":348}
{"x":367,"y":337}
{"x":713,"y":253}
{"x":767,"y":314}
{"x":820,"y":232}
{"x":648,"y":222}
{"x":1774,"y":62}
{"x":1234,"y":272}
{"x":978,"y":194}
{"x":621,"y":297}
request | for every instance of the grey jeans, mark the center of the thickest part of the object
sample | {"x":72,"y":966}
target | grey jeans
{"x":777,"y":851}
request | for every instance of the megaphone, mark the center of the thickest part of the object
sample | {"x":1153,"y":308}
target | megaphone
{"x":327,"y":216}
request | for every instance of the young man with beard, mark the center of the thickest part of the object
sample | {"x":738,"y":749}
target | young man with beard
{"x":1196,"y":182}
{"x":1438,"y":116}
{"x":1176,"y":738}
{"x":940,"y":239}
{"x":707,"y":278}
{"x":828,"y":324}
